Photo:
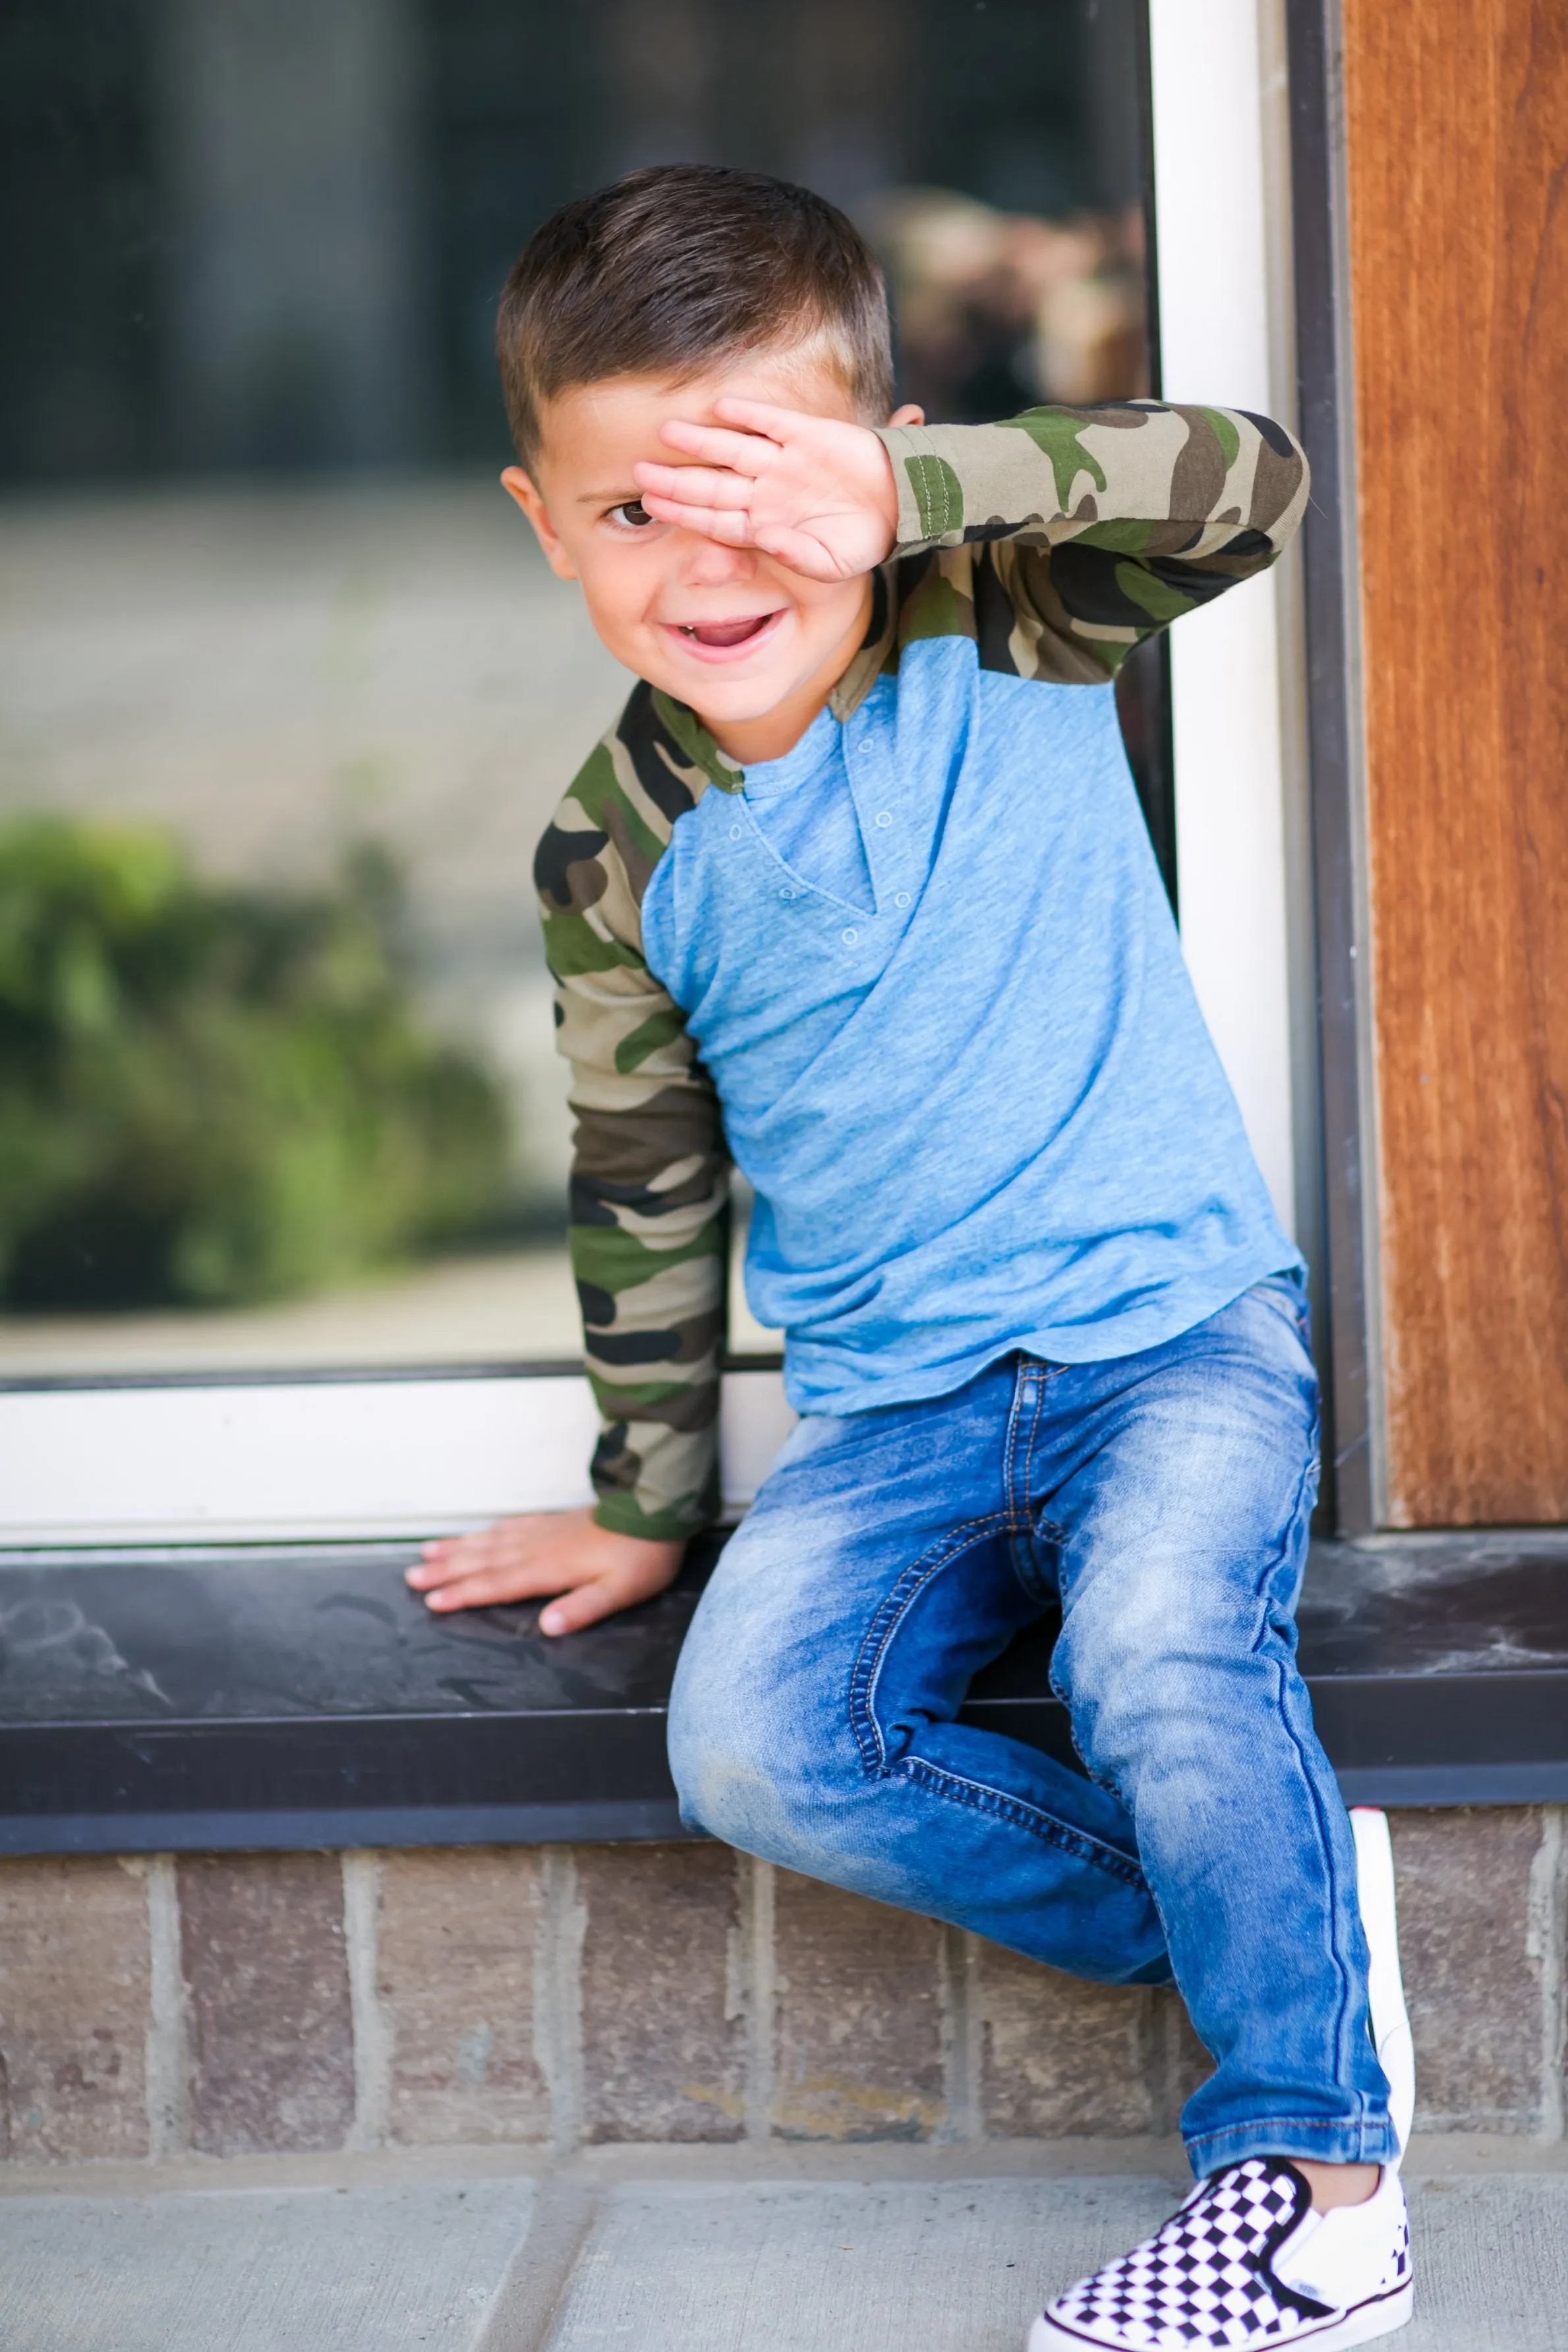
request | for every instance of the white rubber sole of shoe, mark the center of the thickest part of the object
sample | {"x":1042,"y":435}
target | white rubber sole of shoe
{"x":1374,"y":2319}
{"x":1385,"y":1990}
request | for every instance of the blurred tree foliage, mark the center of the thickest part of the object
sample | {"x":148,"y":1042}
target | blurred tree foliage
{"x":211,"y":1095}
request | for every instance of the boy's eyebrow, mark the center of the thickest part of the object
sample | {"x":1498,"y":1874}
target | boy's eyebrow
{"x":608,"y":498}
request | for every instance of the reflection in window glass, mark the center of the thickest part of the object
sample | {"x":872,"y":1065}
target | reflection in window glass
{"x":286,"y":693}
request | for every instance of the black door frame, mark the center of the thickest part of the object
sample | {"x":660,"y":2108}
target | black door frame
{"x":1327,"y":409}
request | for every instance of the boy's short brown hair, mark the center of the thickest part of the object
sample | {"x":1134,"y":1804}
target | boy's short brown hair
{"x":677,"y":267}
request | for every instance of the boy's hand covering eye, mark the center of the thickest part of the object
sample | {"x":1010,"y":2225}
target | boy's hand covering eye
{"x":594,"y":1570}
{"x":813,"y":491}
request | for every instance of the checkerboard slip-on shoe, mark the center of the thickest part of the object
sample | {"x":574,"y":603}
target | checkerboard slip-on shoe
{"x":1244,"y":2265}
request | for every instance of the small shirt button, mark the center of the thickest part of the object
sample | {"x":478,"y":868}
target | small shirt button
{"x":901,"y":898}
{"x":884,"y":816}
{"x":851,"y":936}
{"x":734,"y":832}
{"x":786,"y":894}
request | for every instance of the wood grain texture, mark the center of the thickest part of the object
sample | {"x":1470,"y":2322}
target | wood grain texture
{"x":1457,"y":121}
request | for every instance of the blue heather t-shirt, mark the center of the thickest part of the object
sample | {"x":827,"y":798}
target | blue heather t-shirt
{"x":928,"y":959}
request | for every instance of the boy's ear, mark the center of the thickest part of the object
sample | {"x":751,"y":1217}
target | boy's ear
{"x":908,"y":414}
{"x":525,"y":489}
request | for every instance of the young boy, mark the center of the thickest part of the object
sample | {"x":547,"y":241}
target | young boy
{"x":857,"y":892}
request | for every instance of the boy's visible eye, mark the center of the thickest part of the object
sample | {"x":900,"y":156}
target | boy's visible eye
{"x":632,"y":516}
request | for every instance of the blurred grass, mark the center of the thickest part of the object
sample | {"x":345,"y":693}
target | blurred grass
{"x":210,"y":1097}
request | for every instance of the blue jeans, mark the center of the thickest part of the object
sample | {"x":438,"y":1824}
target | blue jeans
{"x":1163,"y":1500}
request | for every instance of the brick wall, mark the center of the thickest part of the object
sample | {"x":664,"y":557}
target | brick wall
{"x":231,"y":2004}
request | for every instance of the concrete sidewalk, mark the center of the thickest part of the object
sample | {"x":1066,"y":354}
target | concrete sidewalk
{"x":740,"y":2250}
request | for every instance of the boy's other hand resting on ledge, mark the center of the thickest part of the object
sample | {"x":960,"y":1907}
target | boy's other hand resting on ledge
{"x":593,"y":1572}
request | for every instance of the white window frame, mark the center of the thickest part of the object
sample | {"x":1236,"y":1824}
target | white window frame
{"x":302,"y":1455}
{"x":1222,"y":205}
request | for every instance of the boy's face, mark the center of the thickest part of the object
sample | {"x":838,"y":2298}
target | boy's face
{"x":728,"y":630}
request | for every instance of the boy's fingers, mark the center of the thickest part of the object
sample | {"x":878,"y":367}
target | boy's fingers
{"x":498,"y":1580}
{"x":508,"y":1546}
{"x":538,"y":1556}
{"x":703,"y":486}
{"x":587,"y":1603}
{"x":732,"y":527}
{"x":745,"y":451}
{"x":476,"y":1592}
{"x":761,"y":416}
{"x":459,"y":1556}
{"x":450,"y":1560}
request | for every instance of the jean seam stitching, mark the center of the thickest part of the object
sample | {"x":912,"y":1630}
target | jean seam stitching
{"x":981,"y":1798}
{"x":1100,"y":1779}
{"x":1027,"y":1515}
{"x":1022,"y":1379}
{"x":1252,"y":2124}
{"x":1282,"y":1671}
{"x":1357,"y":2125}
{"x":890,"y":1614}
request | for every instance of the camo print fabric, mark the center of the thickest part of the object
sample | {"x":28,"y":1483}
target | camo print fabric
{"x":1056,"y":542}
{"x":1065,"y":537}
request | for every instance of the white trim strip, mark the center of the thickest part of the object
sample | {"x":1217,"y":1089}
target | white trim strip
{"x":296,"y":1460}
{"x":1219,"y":344}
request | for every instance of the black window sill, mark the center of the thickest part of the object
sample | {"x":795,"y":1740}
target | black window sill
{"x":290,"y":1697}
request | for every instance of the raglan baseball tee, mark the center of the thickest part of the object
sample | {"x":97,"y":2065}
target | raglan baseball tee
{"x":917,"y":978}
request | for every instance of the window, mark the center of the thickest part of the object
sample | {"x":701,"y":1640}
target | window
{"x":288,"y":693}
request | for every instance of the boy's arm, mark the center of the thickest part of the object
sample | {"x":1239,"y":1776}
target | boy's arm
{"x":650,"y":1182}
{"x":1102,"y":525}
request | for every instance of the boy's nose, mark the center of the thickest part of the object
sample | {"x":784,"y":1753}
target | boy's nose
{"x":709,"y":564}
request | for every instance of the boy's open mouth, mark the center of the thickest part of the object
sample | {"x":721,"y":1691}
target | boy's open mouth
{"x":723,"y":636}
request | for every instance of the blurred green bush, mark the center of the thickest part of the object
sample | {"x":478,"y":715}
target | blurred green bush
{"x":210,"y":1096}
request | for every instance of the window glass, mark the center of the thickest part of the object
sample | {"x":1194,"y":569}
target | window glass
{"x":286,"y":694}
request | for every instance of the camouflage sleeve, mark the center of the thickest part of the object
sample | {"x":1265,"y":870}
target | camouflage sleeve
{"x":1098,"y":525}
{"x":650,"y":1181}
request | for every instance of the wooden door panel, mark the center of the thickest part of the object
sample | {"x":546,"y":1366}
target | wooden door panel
{"x":1458,"y":129}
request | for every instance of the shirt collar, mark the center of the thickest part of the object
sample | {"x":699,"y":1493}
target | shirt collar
{"x":876,"y":645}
{"x":681,"y":721}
